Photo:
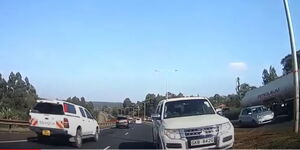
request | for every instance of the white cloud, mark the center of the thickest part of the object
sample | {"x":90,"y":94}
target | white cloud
{"x":238,"y":66}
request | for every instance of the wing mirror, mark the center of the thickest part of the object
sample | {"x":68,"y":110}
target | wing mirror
{"x":155,"y":116}
{"x":219,"y":111}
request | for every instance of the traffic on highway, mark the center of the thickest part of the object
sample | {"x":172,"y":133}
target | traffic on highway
{"x":177,"y":123}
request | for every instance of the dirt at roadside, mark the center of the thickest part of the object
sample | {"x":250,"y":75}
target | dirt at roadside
{"x":278,"y":135}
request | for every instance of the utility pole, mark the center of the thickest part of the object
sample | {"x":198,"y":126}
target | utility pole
{"x":295,"y":64}
{"x":138,"y":112}
{"x":238,"y":87}
{"x":167,"y":93}
{"x":144,"y":110}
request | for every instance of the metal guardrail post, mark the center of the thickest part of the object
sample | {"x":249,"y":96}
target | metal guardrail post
{"x":10,"y":127}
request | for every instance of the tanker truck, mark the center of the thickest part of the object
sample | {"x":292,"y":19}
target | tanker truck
{"x":277,"y":95}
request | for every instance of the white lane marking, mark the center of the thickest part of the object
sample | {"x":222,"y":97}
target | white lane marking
{"x":126,"y":133}
{"x":106,"y":148}
{"x":104,"y":129}
{"x":15,"y":141}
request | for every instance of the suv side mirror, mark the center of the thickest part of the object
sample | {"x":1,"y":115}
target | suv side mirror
{"x":220,"y":113}
{"x":155,"y":116}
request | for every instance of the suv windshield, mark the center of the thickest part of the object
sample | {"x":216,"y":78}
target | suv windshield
{"x":187,"y":108}
{"x":48,"y":108}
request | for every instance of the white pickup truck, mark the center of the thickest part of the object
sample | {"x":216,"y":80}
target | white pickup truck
{"x":190,"y":123}
{"x":54,"y":118}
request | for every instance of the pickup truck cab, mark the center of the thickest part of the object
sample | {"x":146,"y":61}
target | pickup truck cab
{"x":55,"y":118}
{"x":190,"y":123}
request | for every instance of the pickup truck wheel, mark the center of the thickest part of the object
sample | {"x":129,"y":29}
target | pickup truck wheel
{"x":78,"y":139}
{"x":254,"y":123}
{"x":96,"y":136}
{"x":240,"y":123}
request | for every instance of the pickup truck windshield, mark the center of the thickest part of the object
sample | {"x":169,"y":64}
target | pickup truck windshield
{"x":48,"y":108}
{"x":187,"y":108}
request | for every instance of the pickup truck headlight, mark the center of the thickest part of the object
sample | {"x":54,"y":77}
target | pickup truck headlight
{"x":225,"y":128}
{"x":259,"y":117}
{"x":172,"y":133}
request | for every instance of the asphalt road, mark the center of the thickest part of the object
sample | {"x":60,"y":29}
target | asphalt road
{"x":138,"y":136}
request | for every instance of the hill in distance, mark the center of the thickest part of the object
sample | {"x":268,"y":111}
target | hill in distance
{"x":100,"y":105}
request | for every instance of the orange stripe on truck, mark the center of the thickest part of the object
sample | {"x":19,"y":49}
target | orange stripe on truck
{"x":34,"y":122}
{"x":59,"y":124}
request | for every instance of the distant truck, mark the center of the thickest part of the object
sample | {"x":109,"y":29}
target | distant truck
{"x":278,"y":95}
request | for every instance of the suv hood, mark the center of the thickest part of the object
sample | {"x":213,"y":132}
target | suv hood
{"x":194,"y":121}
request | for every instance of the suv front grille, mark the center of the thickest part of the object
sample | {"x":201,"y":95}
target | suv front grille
{"x":205,"y":131}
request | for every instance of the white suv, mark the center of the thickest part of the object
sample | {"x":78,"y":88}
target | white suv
{"x":190,"y":123}
{"x":63,"y":119}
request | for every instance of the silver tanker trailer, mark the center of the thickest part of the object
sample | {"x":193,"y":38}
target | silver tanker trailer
{"x":278,"y":95}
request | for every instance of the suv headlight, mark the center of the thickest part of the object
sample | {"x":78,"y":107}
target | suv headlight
{"x":172,"y":133}
{"x":225,"y":128}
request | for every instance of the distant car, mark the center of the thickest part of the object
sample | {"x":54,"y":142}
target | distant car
{"x":122,"y":122}
{"x":54,"y":118}
{"x":130,"y":119}
{"x":255,"y":115}
{"x":138,"y":121}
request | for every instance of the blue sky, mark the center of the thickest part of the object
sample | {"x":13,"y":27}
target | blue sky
{"x":109,"y":50}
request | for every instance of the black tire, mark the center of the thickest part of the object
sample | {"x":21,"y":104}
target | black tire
{"x":254,"y":123}
{"x":96,"y":136}
{"x":240,"y":123}
{"x":78,"y":139}
{"x":158,"y":144}
{"x":155,"y":142}
{"x":42,"y":138}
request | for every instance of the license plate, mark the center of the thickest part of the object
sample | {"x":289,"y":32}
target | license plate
{"x":46,"y":132}
{"x":202,"y":141}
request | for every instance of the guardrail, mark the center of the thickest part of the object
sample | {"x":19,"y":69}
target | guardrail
{"x":107,"y":124}
{"x":12,"y":123}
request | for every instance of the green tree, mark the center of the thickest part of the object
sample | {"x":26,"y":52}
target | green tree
{"x":126,"y":103}
{"x":88,"y":105}
{"x":244,"y":88}
{"x":150,"y":101}
{"x":30,"y":88}
{"x":180,"y":95}
{"x":3,"y":87}
{"x":269,"y":76}
{"x":17,"y":96}
{"x":115,"y":111}
{"x":287,"y":63}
